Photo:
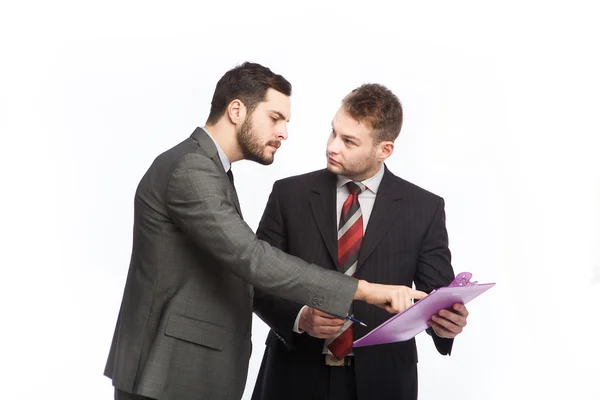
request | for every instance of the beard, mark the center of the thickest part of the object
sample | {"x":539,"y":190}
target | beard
{"x":252,"y":148}
{"x":358,"y":169}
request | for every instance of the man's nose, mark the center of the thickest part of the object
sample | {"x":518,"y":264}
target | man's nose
{"x":282,"y":134}
{"x":333,"y":147}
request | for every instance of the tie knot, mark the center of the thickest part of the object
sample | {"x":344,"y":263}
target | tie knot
{"x":355,"y":187}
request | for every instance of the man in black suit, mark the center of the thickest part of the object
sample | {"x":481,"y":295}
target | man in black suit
{"x":358,"y":218}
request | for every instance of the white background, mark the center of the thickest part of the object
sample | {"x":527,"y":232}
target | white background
{"x":501,"y":107}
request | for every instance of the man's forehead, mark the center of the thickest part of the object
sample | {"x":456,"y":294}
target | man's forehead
{"x":278,"y":103}
{"x":345,"y":124}
{"x":343,"y":119}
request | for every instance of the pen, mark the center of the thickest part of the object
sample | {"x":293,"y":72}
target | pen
{"x":351,"y":318}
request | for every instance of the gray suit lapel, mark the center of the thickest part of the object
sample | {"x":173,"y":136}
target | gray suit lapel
{"x":207,"y":144}
{"x":385,"y":211}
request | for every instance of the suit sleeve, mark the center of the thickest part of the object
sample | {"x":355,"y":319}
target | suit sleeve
{"x":434,"y":268}
{"x":278,"y":313}
{"x":197,"y":203}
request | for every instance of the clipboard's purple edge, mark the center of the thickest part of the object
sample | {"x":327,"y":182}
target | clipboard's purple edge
{"x":419,"y":302}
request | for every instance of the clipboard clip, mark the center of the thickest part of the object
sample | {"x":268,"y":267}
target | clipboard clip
{"x":463,"y":279}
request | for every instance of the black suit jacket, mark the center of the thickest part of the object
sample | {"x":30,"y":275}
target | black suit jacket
{"x":405,"y":242}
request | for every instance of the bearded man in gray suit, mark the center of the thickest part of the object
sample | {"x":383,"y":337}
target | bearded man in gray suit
{"x":184,"y":327}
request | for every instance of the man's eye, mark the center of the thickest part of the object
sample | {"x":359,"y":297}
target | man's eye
{"x":349,"y":141}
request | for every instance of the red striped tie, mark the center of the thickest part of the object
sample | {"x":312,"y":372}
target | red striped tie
{"x":350,"y":235}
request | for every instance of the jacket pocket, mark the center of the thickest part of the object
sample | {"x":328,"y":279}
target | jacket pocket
{"x":196,"y":331}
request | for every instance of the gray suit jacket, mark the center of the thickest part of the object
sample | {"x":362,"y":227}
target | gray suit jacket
{"x":184,"y":327}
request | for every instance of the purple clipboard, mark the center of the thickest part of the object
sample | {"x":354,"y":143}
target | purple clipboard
{"x":413,"y":320}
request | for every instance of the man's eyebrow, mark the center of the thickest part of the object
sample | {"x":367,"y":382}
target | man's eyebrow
{"x":345,"y":135}
{"x":279,"y":114}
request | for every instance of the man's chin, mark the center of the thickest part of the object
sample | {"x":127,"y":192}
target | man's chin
{"x":265,"y":159}
{"x":336,"y":169}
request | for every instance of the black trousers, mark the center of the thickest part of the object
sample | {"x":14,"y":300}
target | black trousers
{"x":335,"y":383}
{"x":121,"y":395}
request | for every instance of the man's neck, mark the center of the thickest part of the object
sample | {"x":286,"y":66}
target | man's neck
{"x":226,"y":139}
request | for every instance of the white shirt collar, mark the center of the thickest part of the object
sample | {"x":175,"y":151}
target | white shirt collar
{"x":222,"y":156}
{"x":372,"y":183}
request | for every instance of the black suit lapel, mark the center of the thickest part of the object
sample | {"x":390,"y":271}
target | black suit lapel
{"x":323,"y":205}
{"x":385,"y":210}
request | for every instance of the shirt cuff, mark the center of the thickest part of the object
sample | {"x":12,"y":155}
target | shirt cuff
{"x":296,"y":329}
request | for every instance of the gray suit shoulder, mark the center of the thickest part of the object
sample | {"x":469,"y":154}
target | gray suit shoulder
{"x":173,"y":155}
{"x":153,"y":186}
{"x":163,"y":165}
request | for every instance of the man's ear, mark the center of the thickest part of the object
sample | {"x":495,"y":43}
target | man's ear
{"x":236,"y":112}
{"x":384,"y":150}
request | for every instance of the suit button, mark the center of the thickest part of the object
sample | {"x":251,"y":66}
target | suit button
{"x":248,"y":335}
{"x":251,"y":294}
{"x":317,"y":301}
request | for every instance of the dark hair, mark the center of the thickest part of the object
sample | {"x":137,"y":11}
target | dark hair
{"x":247,"y":82}
{"x":377,"y":107}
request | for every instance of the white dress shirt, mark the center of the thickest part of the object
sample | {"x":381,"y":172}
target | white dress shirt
{"x":366,"y":200}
